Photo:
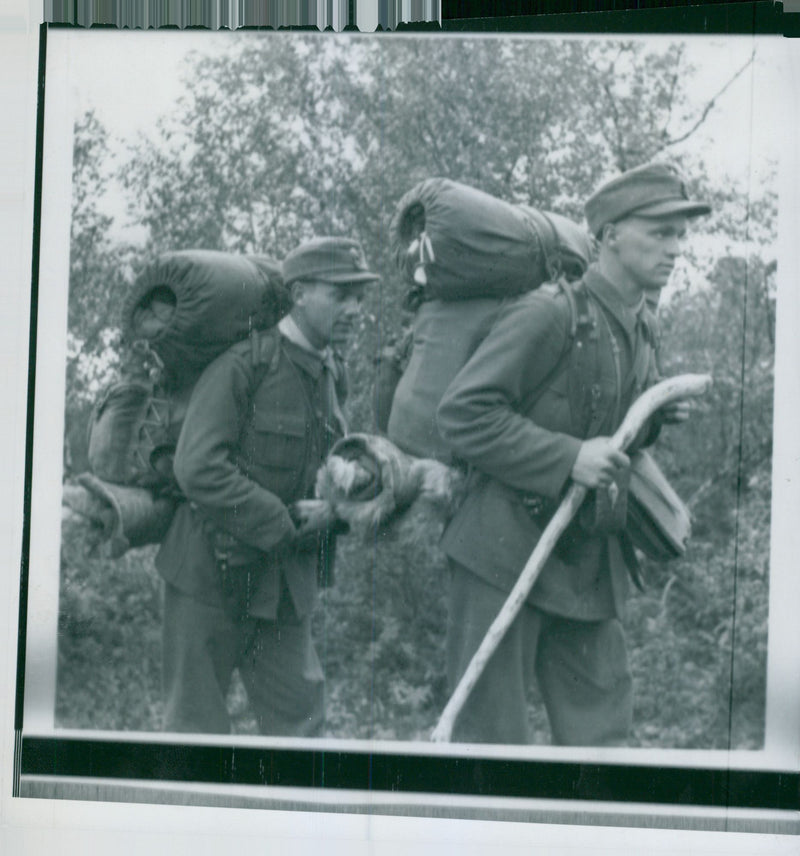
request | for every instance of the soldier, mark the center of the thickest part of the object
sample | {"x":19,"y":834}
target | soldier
{"x":531,"y":410}
{"x":241,"y":570}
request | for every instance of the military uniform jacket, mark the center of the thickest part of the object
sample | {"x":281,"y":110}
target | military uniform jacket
{"x":255,"y":433}
{"x":508,"y":414}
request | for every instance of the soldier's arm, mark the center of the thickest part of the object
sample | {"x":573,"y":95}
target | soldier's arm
{"x":479,"y":414}
{"x":205,"y":465}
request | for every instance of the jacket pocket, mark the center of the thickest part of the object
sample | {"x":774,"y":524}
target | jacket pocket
{"x":275,"y":451}
{"x":278,"y":440}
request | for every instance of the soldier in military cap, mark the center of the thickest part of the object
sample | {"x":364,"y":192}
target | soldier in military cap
{"x":532,"y":410}
{"x":241,"y":567}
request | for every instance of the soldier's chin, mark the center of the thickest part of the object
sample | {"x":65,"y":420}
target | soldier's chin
{"x":652,"y":296}
{"x":652,"y":291}
{"x":655,"y":285}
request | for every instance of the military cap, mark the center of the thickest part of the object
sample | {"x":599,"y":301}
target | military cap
{"x":652,"y":190}
{"x":339,"y":261}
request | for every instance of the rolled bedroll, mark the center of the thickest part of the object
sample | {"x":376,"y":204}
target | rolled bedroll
{"x":116,"y":518}
{"x":455,"y":242}
{"x":189,"y":306}
{"x":367,"y":482}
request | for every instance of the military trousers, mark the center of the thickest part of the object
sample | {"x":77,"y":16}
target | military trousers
{"x":203,"y":644}
{"x":581,"y":668}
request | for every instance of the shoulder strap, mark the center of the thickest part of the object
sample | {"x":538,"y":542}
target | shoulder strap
{"x":578,"y":317}
{"x":588,"y":408}
{"x":265,"y":353}
{"x":550,"y":246}
{"x":584,"y":322}
{"x":583,"y":365}
{"x":580,"y":359}
{"x":549,"y":241}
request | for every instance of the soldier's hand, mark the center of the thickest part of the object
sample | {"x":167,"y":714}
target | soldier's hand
{"x":675,"y":412}
{"x":312,"y":517}
{"x":598,"y":462}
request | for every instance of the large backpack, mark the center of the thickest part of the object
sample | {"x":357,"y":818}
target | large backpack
{"x":184,"y":310}
{"x":462,"y":253}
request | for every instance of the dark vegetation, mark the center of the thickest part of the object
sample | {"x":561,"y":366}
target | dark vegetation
{"x":284,"y":138}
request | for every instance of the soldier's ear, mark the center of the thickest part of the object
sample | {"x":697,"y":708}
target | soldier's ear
{"x":608,"y":235}
{"x":297,"y":290}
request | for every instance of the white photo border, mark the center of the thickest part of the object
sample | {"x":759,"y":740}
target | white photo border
{"x":781,"y":753}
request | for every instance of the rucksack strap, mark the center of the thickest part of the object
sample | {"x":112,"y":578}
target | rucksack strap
{"x":265,"y":353}
{"x":580,"y":344}
{"x":551,"y":246}
{"x":583,"y":388}
{"x":579,"y":357}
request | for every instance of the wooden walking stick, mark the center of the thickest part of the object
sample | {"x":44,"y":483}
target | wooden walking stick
{"x":672,"y":389}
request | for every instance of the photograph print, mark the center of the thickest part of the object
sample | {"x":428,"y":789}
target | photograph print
{"x":357,"y":336}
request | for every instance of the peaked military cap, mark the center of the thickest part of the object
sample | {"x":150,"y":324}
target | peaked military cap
{"x":339,"y":261}
{"x":653,"y":190}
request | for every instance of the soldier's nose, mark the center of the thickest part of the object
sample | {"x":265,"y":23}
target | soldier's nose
{"x":676,"y":246}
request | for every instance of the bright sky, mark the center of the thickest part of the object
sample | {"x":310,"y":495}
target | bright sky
{"x":132,"y":78}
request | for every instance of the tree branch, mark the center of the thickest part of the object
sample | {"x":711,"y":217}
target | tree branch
{"x":620,"y":149}
{"x":711,"y":103}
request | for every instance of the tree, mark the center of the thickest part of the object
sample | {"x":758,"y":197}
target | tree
{"x":99,"y":269}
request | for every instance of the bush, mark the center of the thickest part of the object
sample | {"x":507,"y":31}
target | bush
{"x":109,"y":639}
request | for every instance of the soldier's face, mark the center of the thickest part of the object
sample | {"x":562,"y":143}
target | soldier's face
{"x":327,"y":313}
{"x":647,"y":249}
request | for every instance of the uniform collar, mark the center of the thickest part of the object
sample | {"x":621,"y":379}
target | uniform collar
{"x":311,"y":358}
{"x":627,"y":315}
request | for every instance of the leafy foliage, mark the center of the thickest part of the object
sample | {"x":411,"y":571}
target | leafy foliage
{"x":109,"y":635}
{"x":99,"y":271}
{"x":279,"y":139}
